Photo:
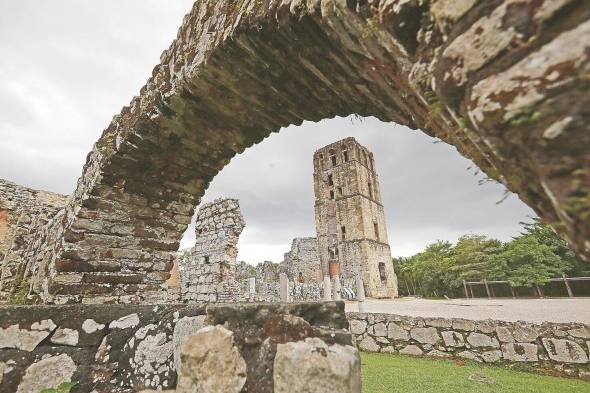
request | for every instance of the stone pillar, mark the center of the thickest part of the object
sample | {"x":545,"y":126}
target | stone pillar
{"x":252,"y":283}
{"x":284,"y":287}
{"x":360,"y":293}
{"x":337,"y":288}
{"x":327,"y":289}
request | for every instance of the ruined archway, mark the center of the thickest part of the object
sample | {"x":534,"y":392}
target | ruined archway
{"x":505,"y":82}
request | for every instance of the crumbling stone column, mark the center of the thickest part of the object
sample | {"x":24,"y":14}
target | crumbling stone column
{"x":208,"y":273}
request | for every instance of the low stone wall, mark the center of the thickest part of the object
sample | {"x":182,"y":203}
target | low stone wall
{"x":126,"y":348}
{"x":555,"y":348}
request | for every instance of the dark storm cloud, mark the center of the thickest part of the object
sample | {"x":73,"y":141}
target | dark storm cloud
{"x":69,"y":66}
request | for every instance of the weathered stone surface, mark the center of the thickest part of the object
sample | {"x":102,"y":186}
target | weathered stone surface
{"x":425,"y":335}
{"x":183,"y":329}
{"x":90,"y":326}
{"x":504,"y":334}
{"x":583,"y":332}
{"x":23,"y":212}
{"x":453,"y":339}
{"x":438,"y":354}
{"x":47,"y":373}
{"x":125,"y":358}
{"x":464,"y":325}
{"x":482,"y":340}
{"x":25,"y":339}
{"x":525,"y":334}
{"x":126,"y":322}
{"x":520,"y":352}
{"x":210,"y":362}
{"x":413,"y":350}
{"x":368,"y":344}
{"x":491,"y":356}
{"x":357,"y":326}
{"x":475,"y":345}
{"x":565,"y":351}
{"x":380,"y":330}
{"x":65,"y":336}
{"x":315,"y":367}
{"x":469,"y":355}
{"x":396,"y":332}
{"x":208,"y":272}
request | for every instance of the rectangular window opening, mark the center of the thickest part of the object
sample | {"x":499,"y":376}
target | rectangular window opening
{"x":382,"y":274}
{"x":330,"y":180}
{"x":345,"y":155}
{"x":343,"y":230}
{"x":376,"y":229}
{"x":340,"y":193}
{"x":331,"y":194}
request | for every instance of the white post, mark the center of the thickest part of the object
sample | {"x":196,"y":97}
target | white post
{"x":252,"y":282}
{"x":337,"y":288}
{"x":360,"y":293}
{"x":327,"y":289}
{"x":284,"y":287}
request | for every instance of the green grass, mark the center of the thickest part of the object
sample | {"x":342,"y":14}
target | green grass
{"x":396,"y":373}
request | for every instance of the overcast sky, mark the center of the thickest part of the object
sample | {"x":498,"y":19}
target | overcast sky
{"x":68,"y":66}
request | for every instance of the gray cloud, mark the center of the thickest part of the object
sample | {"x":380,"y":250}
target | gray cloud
{"x":70,"y":65}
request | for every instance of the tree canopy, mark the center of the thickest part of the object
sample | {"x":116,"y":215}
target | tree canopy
{"x":530,"y":259}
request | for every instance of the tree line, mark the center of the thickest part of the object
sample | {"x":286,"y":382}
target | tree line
{"x":529,"y":259}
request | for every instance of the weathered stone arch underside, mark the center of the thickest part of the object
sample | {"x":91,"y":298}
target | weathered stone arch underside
{"x":505,"y":82}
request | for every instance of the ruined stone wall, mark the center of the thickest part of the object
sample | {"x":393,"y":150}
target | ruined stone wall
{"x":302,"y":263}
{"x":555,"y":348}
{"x":350,"y":218}
{"x":126,"y":348}
{"x":23,"y":211}
{"x":208,"y":273}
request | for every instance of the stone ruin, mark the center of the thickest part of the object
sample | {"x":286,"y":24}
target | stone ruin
{"x":505,"y":83}
{"x":22,"y":212}
{"x":208,"y":272}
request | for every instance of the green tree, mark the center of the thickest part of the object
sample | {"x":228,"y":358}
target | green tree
{"x":525,"y":261}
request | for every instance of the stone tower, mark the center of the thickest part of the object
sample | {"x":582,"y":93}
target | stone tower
{"x":349,"y":217}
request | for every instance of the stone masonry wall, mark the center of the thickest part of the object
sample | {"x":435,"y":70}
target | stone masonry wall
{"x":209,"y":271}
{"x":23,"y":212}
{"x":126,"y":348}
{"x":555,"y":348}
{"x":302,"y":262}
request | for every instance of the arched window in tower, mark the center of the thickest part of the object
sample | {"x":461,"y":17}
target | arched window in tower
{"x":300,"y":277}
{"x":333,"y":157}
{"x":345,"y":155}
{"x":343,"y":231}
{"x":330,"y":180}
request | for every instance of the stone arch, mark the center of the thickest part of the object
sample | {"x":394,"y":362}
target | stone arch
{"x":505,"y":82}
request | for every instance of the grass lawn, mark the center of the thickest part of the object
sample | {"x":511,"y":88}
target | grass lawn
{"x":396,"y":373}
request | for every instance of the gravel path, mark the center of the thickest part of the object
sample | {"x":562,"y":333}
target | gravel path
{"x":530,"y":310}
